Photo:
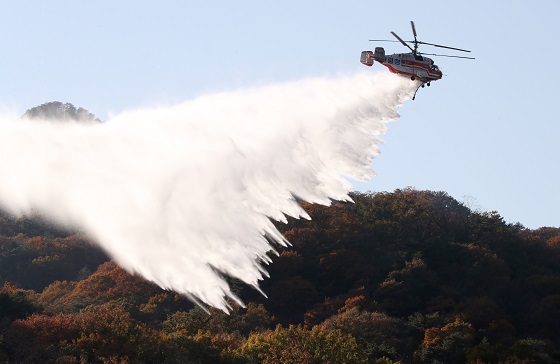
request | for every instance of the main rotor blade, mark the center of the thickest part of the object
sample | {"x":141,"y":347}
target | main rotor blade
{"x":390,"y":40}
{"x":402,"y":41}
{"x":446,"y":55}
{"x":441,"y":46}
{"x":413,"y":29}
{"x":383,"y":40}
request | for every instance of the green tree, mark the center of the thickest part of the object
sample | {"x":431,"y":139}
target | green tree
{"x":17,"y":303}
{"x":56,"y":110}
{"x":242,"y":321}
{"x":407,"y":290}
{"x":298,"y":345}
{"x":380,"y":335}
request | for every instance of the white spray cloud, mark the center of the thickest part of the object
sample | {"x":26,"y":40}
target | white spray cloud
{"x":183,"y":195}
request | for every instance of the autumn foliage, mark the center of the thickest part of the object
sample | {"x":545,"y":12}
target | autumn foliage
{"x":403,"y":277}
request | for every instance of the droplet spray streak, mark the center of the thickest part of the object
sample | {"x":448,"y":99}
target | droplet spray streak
{"x":183,"y":195}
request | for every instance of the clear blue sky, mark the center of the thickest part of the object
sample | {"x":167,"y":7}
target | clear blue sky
{"x":488,"y":130}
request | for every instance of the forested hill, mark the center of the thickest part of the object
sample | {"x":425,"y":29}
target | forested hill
{"x":403,"y":277}
{"x":58,"y":111}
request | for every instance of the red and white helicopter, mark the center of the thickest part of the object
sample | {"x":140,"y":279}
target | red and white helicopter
{"x":413,"y":64}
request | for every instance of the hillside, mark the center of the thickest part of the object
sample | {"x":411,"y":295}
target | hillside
{"x":408,"y":276}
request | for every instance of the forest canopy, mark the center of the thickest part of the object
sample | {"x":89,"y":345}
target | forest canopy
{"x":397,"y":277}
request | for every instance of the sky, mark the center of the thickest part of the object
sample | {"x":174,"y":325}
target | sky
{"x":487,"y":133}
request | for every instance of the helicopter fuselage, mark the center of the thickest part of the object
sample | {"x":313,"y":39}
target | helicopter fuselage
{"x":416,"y":67}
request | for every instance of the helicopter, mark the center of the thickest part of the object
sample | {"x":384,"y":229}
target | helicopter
{"x":413,"y":64}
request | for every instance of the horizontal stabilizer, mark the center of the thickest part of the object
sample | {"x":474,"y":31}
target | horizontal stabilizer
{"x":367,"y":58}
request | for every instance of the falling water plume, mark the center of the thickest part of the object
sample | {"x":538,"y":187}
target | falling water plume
{"x":184,"y":195}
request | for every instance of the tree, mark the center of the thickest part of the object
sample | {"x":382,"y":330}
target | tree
{"x":480,"y":311}
{"x":543,"y":318}
{"x":410,"y":216}
{"x":53,"y":297}
{"x":35,"y":262}
{"x":161,"y":305}
{"x":289,"y":299}
{"x":108,"y":283}
{"x":179,"y":347}
{"x":40,"y":338}
{"x":529,"y":351}
{"x":380,"y":335}
{"x":448,"y":344}
{"x":108,"y":331}
{"x":56,"y":110}
{"x":554,"y":242}
{"x":407,"y":290}
{"x":298,"y":345}
{"x":241,"y":321}
{"x":16,"y":303}
{"x":332,"y":306}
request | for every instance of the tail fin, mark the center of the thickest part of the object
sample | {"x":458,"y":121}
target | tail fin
{"x":379,"y":54}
